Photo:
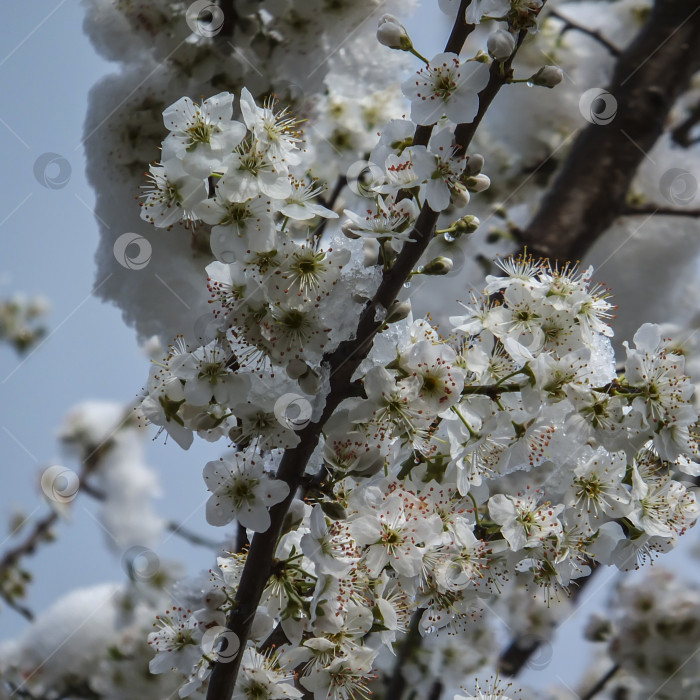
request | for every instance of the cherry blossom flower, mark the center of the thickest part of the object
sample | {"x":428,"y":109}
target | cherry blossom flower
{"x":242,"y":491}
{"x":201,"y":134}
{"x":446,"y":87}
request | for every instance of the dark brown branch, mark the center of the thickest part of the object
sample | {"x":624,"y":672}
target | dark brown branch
{"x":602,"y":682}
{"x":40,"y":532}
{"x":520,"y":650}
{"x":231,"y":18}
{"x":681,"y":134}
{"x":500,"y":74}
{"x":591,"y":188}
{"x":653,"y":209}
{"x":342,"y":364}
{"x":570,"y":24}
{"x":192,"y":537}
{"x":436,"y":690}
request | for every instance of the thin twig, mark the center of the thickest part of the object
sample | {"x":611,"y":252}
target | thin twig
{"x":602,"y":682}
{"x":192,"y":537}
{"x":647,"y":209}
{"x":571,"y":24}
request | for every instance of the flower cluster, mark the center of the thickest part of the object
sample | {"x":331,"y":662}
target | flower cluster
{"x":510,"y":447}
{"x":507,"y":445}
{"x":20,"y":321}
{"x":652,"y":633}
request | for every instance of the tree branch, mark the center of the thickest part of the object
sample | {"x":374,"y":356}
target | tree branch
{"x":681,"y":134}
{"x":342,"y":364}
{"x":192,"y":537}
{"x":570,"y":24}
{"x":653,"y":209}
{"x":591,"y":188}
{"x":602,"y":682}
{"x":519,"y":651}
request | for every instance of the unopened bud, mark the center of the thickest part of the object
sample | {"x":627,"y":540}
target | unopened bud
{"x":478,"y":183}
{"x":475,"y":163}
{"x":437,"y":266}
{"x":398,"y":311}
{"x":547,"y":76}
{"x":467,"y":224}
{"x":481,"y":57}
{"x":393,"y":34}
{"x":333,"y":510}
{"x":500,"y":44}
{"x":459,"y":195}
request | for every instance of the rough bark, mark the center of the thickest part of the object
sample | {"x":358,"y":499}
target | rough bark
{"x":591,"y":188}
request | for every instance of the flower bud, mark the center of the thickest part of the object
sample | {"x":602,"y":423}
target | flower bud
{"x":393,"y":34}
{"x":333,"y":510}
{"x":467,"y":224}
{"x":547,"y":76}
{"x":500,"y":44}
{"x":475,"y":163}
{"x":478,"y":183}
{"x":437,"y":266}
{"x":459,"y":195}
{"x":398,"y":311}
